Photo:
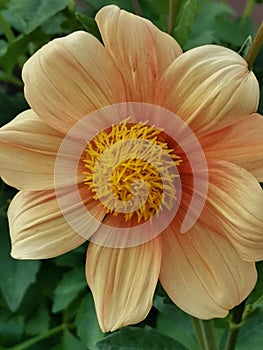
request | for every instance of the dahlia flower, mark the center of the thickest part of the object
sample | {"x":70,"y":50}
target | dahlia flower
{"x":209,"y":268}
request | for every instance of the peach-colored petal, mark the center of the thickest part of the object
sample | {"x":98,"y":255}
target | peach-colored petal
{"x":28,"y":152}
{"x":123,"y":281}
{"x":140,"y":50}
{"x":38,"y":229}
{"x":240,"y":143}
{"x":69,"y":78}
{"x":234,"y":208}
{"x":203,"y":274}
{"x":209,"y":87}
{"x":116,"y":232}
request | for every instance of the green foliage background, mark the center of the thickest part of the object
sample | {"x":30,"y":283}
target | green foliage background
{"x":47,"y":304}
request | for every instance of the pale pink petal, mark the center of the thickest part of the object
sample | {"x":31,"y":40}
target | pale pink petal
{"x":240,"y":143}
{"x":233,"y":208}
{"x":202,"y":273}
{"x":122,"y":282}
{"x":28,"y":152}
{"x":38,"y":229}
{"x":69,"y":78}
{"x":209,"y":87}
{"x":140,"y":50}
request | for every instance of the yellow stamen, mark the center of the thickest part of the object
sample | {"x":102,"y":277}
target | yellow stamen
{"x":125,"y":161}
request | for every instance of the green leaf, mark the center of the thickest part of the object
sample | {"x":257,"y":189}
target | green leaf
{"x":26,"y":15}
{"x":18,"y":48}
{"x":95,"y":5}
{"x":15,"y":275}
{"x":70,"y":342}
{"x":211,"y":23}
{"x":186,"y":17}
{"x":11,"y":328}
{"x":4,"y":4}
{"x":86,"y":322}
{"x":54,"y":24}
{"x":3,"y":47}
{"x":156,"y":11}
{"x":72,"y":283}
{"x":88,"y":24}
{"x":206,"y":37}
{"x":173,"y":322}
{"x":39,"y":323}
{"x":256,"y":296}
{"x":134,"y":338}
{"x":250,"y":335}
{"x":208,"y":11}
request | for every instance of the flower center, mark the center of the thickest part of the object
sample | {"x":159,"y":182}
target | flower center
{"x":129,"y":169}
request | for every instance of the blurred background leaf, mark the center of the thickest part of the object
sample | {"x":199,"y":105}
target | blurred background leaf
{"x":15,"y":275}
{"x":26,"y":15}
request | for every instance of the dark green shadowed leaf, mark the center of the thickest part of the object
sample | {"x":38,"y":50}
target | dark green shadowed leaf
{"x":68,"y":288}
{"x":39,"y":322}
{"x":86,"y":322}
{"x":10,"y":106}
{"x":27,"y":15}
{"x":74,"y":258}
{"x":11,"y":328}
{"x":134,"y":338}
{"x":15,"y":275}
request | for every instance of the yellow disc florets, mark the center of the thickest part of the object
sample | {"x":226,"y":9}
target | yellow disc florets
{"x":129,"y":170}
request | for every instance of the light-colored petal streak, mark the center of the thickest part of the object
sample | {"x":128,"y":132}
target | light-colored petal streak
{"x":123,"y":281}
{"x":203,"y":274}
{"x":209,"y":87}
{"x":28,"y":152}
{"x":69,"y":78}
{"x":240,"y":143}
{"x":38,"y":229}
{"x":140,"y":50}
{"x":234,"y":208}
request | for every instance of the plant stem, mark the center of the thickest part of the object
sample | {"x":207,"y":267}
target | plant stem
{"x":246,"y":13}
{"x":205,"y":335}
{"x":6,"y":29}
{"x":255,"y":47}
{"x":232,"y":338}
{"x":198,"y":333}
{"x":173,"y":10}
{"x":209,"y":335}
{"x":234,"y":326}
{"x":27,"y":343}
